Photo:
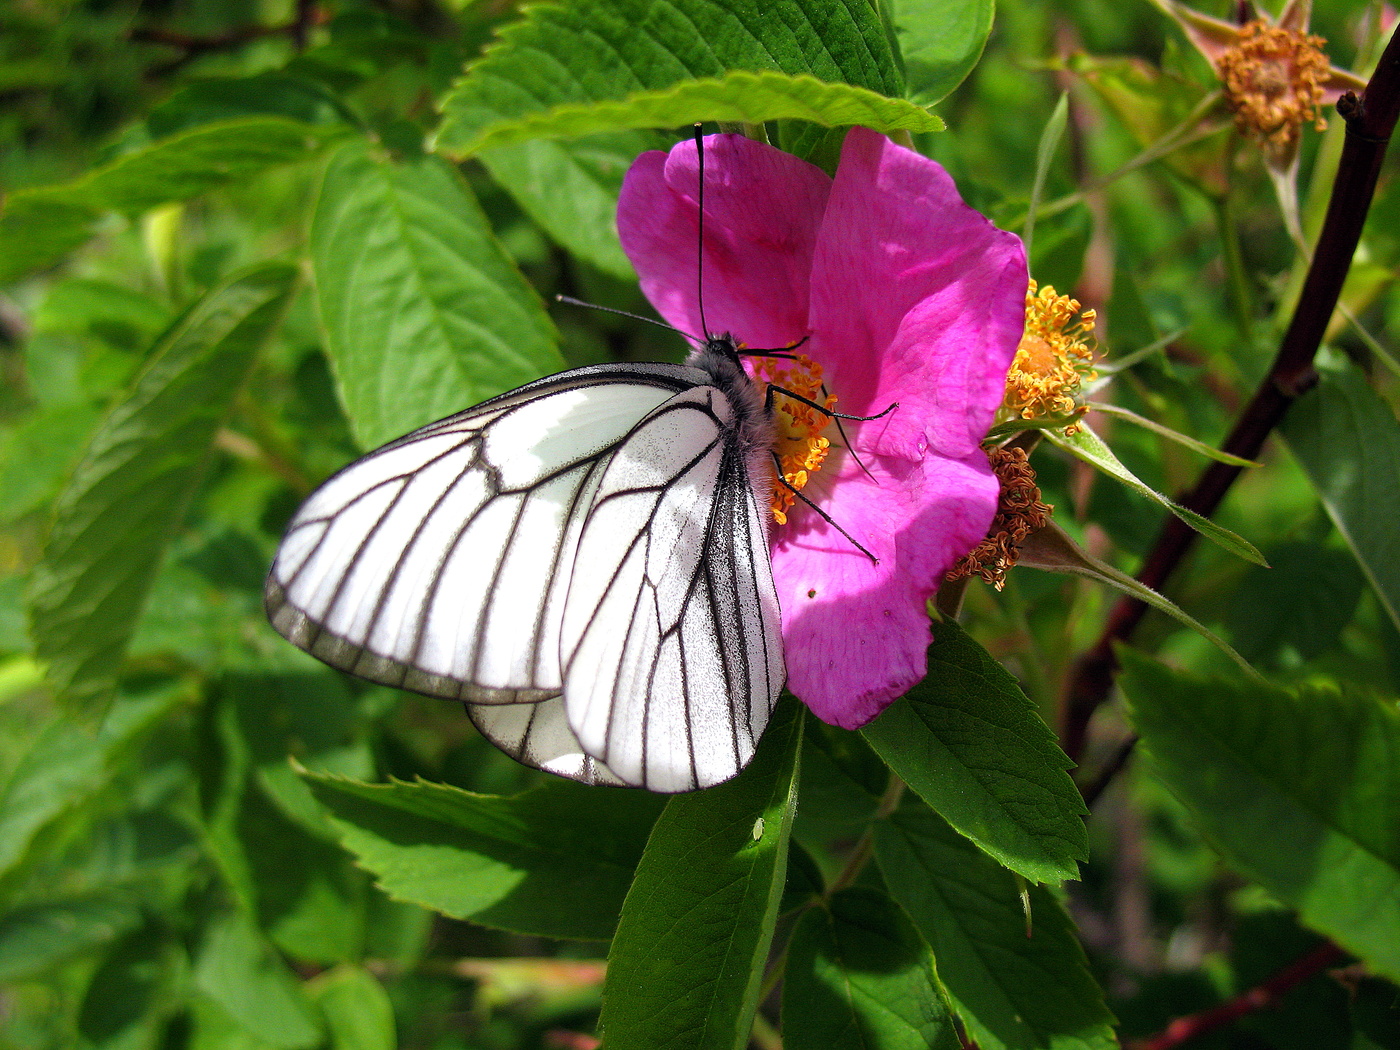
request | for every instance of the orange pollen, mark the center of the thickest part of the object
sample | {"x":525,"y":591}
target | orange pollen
{"x":799,"y":446}
{"x":1055,"y":357}
{"x":1273,"y":79}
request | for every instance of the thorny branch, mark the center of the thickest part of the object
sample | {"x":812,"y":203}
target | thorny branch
{"x":1370,"y":119}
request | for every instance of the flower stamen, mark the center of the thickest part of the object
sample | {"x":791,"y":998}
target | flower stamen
{"x":800,"y":448}
{"x":1019,"y":513}
{"x":1054,"y":359}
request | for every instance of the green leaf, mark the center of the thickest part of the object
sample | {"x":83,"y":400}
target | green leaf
{"x":1299,"y":608}
{"x":607,"y":50}
{"x":40,"y":225}
{"x":1044,"y":156}
{"x":859,"y":976}
{"x":1088,"y":446}
{"x":357,"y":1009}
{"x":1167,"y":432}
{"x":37,"y":937}
{"x":970,"y":743}
{"x":570,"y":189}
{"x":1013,"y":992}
{"x":136,"y":479}
{"x":1300,"y":790}
{"x":686,"y":963}
{"x":238,"y":970}
{"x":1347,"y":440}
{"x":738,"y":97}
{"x":1050,"y":549}
{"x":554,"y":861}
{"x":940,"y":42}
{"x":123,"y":1003}
{"x":424,"y":313}
{"x":67,"y":764}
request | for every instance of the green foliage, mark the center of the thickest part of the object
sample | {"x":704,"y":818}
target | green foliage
{"x":240,"y":243}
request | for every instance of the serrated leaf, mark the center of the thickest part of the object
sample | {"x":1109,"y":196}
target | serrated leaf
{"x":1347,"y":440}
{"x":970,"y":743}
{"x":940,"y":42}
{"x":241,"y":973}
{"x":1050,"y":549}
{"x":606,"y":50}
{"x":554,"y":861}
{"x":1013,"y":992}
{"x":424,"y":313}
{"x":137,"y":476}
{"x":1086,"y":445}
{"x":37,"y":937}
{"x":737,"y":97}
{"x":859,"y":976}
{"x":685,"y":966}
{"x":66,"y":765}
{"x":1300,"y":790}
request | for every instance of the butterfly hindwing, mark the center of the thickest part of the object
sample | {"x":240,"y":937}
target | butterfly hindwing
{"x":671,"y":636}
{"x":439,"y":562}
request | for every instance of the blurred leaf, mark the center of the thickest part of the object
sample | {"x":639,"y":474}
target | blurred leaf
{"x":940,"y":42}
{"x":357,"y":1009}
{"x":1347,"y":441}
{"x":37,"y":937}
{"x":570,"y":189}
{"x":137,"y":477}
{"x":68,"y":763}
{"x":554,"y":861}
{"x":40,"y":225}
{"x":278,"y":93}
{"x":424,"y":313}
{"x":1013,"y":992}
{"x":38,"y":455}
{"x":737,"y":97}
{"x":1167,"y":432}
{"x":1300,"y":790}
{"x":970,"y":743}
{"x":1050,"y":549}
{"x":860,"y":977}
{"x":685,"y":966}
{"x":1089,"y":447}
{"x":607,"y":50}
{"x":1299,"y":607}
{"x":246,"y":978}
{"x":130,"y":991}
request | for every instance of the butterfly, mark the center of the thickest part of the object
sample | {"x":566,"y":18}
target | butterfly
{"x":583,"y":561}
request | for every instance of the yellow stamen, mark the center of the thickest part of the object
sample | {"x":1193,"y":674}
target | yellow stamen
{"x":800,"y":447}
{"x":1273,"y":80}
{"x":1054,"y":358}
{"x":1019,"y":513}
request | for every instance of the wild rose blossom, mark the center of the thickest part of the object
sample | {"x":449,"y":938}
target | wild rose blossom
{"x":903,"y":294}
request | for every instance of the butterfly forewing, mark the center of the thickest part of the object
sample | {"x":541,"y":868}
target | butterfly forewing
{"x":671,"y":633}
{"x":440,"y":562}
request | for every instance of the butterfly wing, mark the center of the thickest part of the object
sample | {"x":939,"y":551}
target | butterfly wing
{"x":671,"y":636}
{"x":539,"y":735}
{"x":439,"y":562}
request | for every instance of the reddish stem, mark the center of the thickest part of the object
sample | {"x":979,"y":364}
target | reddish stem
{"x":1184,"y":1029}
{"x":1369,"y":120}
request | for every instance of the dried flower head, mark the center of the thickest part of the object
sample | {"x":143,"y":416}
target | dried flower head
{"x":1019,"y":513}
{"x":1274,"y":80}
{"x":1054,"y":359}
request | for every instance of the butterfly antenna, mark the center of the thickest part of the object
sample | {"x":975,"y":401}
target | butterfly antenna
{"x":700,"y":233}
{"x":571,"y":301}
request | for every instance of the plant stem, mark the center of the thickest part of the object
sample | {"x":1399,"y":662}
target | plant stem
{"x":1370,"y":120}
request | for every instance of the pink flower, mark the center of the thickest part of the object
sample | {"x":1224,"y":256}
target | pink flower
{"x":906,"y":295}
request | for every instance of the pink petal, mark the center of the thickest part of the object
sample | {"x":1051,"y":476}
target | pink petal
{"x":916,"y":298}
{"x":763,"y":208}
{"x":856,"y":633}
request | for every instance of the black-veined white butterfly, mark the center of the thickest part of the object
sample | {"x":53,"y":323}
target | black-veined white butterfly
{"x":583,"y":561}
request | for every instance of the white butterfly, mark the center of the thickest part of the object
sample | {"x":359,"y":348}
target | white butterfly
{"x":583,"y":561}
